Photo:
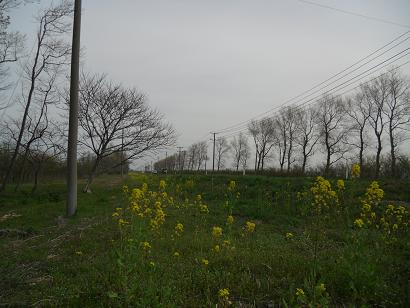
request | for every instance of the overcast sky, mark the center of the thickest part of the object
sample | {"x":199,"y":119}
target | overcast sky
{"x":210,"y":64}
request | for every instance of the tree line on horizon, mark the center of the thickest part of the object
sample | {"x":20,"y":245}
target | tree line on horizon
{"x":368,"y":127}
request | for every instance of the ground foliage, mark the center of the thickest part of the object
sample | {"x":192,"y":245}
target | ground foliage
{"x":186,"y":240}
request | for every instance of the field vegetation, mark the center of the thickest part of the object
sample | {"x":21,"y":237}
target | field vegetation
{"x":193,"y":241}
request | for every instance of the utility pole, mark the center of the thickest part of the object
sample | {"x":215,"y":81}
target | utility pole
{"x":213,"y":155}
{"x":166,"y":162}
{"x":73,"y":117}
{"x":179,"y":158}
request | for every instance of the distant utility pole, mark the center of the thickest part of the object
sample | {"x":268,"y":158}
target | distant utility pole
{"x":213,"y":155}
{"x":179,"y":158}
{"x":166,"y":160}
{"x":73,"y":117}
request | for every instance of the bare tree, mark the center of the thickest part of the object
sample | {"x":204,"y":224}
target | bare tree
{"x":263,"y":135}
{"x":51,"y":50}
{"x":331,"y":124}
{"x":377,"y":93}
{"x":286,"y":128}
{"x":115,"y":119}
{"x":358,"y":113}
{"x":307,"y":133}
{"x":50,"y":146}
{"x":397,"y":112}
{"x":222,"y":148}
{"x":11,"y":43}
{"x":240,"y":148}
{"x":202,"y":153}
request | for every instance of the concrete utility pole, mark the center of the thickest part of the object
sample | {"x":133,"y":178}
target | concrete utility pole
{"x":73,"y":117}
{"x":179,"y":158}
{"x":213,"y":155}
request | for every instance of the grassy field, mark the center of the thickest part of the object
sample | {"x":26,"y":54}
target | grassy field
{"x":194,"y":241}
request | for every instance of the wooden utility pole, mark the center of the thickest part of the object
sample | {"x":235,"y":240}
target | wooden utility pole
{"x":213,"y":155}
{"x":73,"y":117}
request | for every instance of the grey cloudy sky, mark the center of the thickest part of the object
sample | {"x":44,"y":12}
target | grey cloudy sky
{"x":210,"y":64}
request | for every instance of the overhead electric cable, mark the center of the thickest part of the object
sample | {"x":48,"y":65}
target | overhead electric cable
{"x":323,"y":82}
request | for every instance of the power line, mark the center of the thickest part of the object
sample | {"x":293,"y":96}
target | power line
{"x":355,"y":14}
{"x":323,"y":82}
{"x":313,"y":100}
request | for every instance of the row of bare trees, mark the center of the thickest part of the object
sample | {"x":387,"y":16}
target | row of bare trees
{"x":360,"y":128}
{"x":378,"y":114}
{"x":195,"y":157}
{"x":117,"y":125}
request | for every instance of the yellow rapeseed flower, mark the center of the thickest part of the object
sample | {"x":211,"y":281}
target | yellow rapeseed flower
{"x":162,"y":185}
{"x":300,"y":292}
{"x":122,"y":222}
{"x":217,"y":231}
{"x":223,"y":294}
{"x":355,"y":171}
{"x":217,"y":248}
{"x":229,"y":220}
{"x":125,"y":189}
{"x":145,"y":246}
{"x":321,"y":288}
{"x":340,"y":185}
{"x":250,"y":226}
{"x":179,"y":228}
{"x":205,"y":262}
{"x":231,"y":185}
{"x":359,"y":223}
{"x":203,"y":208}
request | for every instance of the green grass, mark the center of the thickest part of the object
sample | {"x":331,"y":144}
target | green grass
{"x":89,"y":260}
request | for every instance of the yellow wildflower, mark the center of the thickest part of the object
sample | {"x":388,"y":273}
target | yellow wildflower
{"x":122,"y":222}
{"x":340,"y":185}
{"x":250,"y":226}
{"x":231,"y":185}
{"x":217,"y":231}
{"x":179,"y":228}
{"x":229,"y":220}
{"x":115,"y":214}
{"x":203,"y":208}
{"x":205,"y":262}
{"x":355,"y":171}
{"x":125,"y":189}
{"x":145,"y":246}
{"x":152,"y":264}
{"x":162,"y":185}
{"x":359,"y":223}
{"x":289,"y":235}
{"x":217,"y":248}
{"x":300,"y":292}
{"x":321,"y":288}
{"x":176,"y":254}
{"x":223,"y":294}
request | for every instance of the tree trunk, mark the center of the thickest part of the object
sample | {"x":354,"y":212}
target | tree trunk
{"x":33,"y":78}
{"x":36,"y":173}
{"x":392,"y":153}
{"x":379,"y":150}
{"x":91,"y":175}
{"x":361,"y":150}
